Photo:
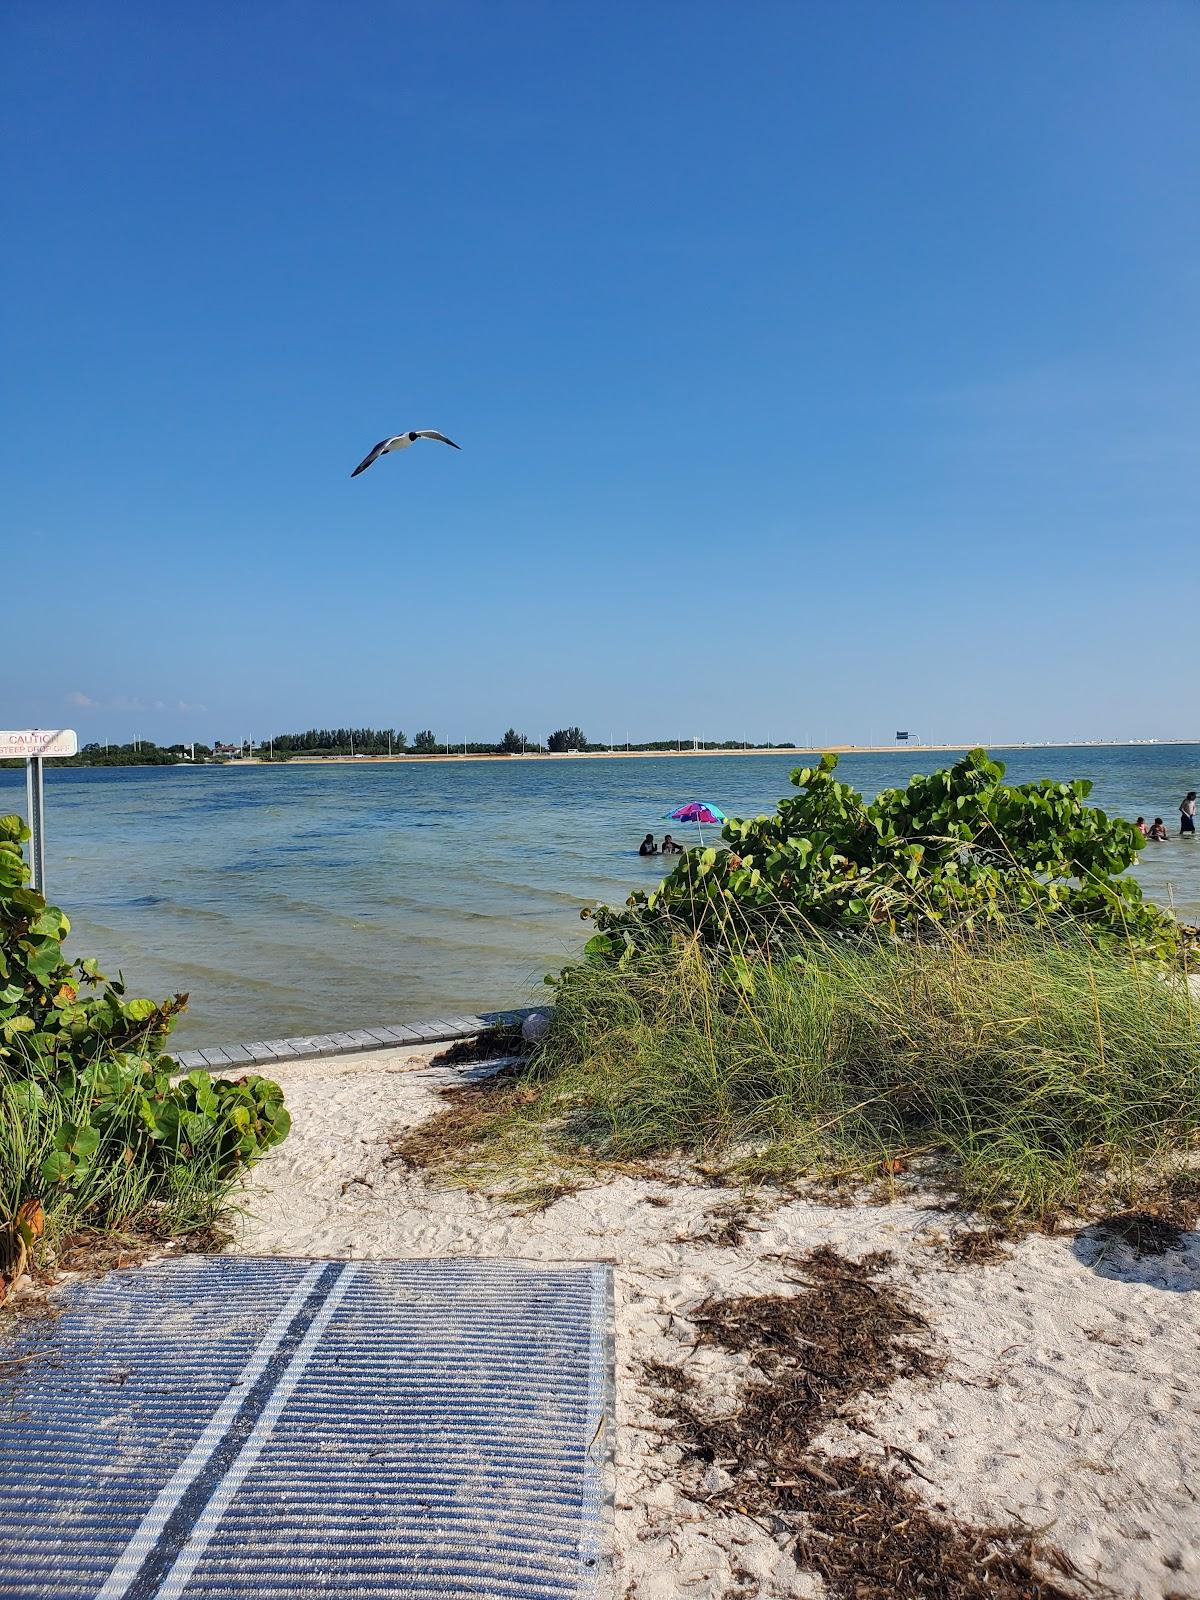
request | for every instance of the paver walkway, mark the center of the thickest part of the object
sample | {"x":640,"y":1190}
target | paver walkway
{"x":261,"y":1052}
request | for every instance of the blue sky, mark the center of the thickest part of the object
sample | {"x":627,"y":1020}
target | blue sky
{"x":820,"y":369}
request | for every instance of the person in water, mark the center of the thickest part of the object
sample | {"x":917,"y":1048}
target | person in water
{"x":670,"y":848}
{"x":648,"y":846}
{"x":1187,"y":813}
{"x":1141,"y":827}
{"x":1158,"y":830}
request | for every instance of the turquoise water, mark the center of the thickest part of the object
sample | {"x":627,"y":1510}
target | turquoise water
{"x":298,"y":899}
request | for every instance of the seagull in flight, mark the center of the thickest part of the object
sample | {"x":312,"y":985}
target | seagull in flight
{"x":401,"y":441}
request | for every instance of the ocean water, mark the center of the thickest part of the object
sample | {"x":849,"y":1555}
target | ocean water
{"x":298,"y":899}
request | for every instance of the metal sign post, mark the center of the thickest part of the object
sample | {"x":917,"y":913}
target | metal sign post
{"x":35,"y":815}
{"x":35,"y":745}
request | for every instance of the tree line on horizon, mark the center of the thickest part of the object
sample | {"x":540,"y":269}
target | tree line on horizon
{"x":137,"y":753}
{"x":367,"y":742}
{"x":382,"y":741}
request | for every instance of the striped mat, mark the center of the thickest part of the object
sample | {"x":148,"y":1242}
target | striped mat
{"x":224,"y":1427}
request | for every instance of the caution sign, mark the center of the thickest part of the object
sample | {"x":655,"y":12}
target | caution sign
{"x":39,"y":742}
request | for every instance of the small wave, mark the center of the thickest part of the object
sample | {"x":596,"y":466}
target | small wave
{"x":265,"y":860}
{"x":117,"y":902}
{"x":193,"y":913}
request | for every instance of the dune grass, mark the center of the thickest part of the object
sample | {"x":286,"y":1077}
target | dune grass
{"x":127,"y":1187}
{"x":1035,"y":1072}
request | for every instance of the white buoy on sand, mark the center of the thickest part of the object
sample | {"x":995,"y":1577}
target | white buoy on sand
{"x":534,"y":1027}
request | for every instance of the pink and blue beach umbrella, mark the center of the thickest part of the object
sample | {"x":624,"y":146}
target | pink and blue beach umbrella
{"x":697,"y":811}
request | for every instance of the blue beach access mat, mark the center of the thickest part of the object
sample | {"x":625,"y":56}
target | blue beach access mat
{"x":269,"y":1429}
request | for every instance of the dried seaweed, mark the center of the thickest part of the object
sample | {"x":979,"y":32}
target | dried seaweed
{"x":855,"y":1521}
{"x":502,"y":1040}
{"x":473,"y":1111}
{"x":729,"y":1223}
{"x":540,"y":1195}
{"x":977,"y":1247}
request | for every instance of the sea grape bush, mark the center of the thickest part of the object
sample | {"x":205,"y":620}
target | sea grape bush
{"x":955,"y":852}
{"x":80,"y":1057}
{"x":136,"y":1113}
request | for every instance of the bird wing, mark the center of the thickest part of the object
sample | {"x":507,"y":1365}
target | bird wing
{"x":374,"y":456}
{"x":432,"y":433}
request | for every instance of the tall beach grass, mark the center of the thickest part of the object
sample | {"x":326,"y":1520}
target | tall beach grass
{"x":1035,"y":1069}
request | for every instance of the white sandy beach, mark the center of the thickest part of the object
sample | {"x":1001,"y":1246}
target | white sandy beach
{"x":1067,"y":1400}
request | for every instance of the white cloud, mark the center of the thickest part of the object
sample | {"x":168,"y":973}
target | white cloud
{"x":126,"y":702}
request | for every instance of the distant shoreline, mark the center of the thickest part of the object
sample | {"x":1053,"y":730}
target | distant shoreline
{"x":634,"y":755}
{"x":409,"y":758}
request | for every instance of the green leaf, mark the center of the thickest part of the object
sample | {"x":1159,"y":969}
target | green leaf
{"x":738,"y":972}
{"x":196,"y":1127}
{"x":81,"y":1140}
{"x":57,"y":1167}
{"x":25,"y":1096}
{"x":45,"y":959}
